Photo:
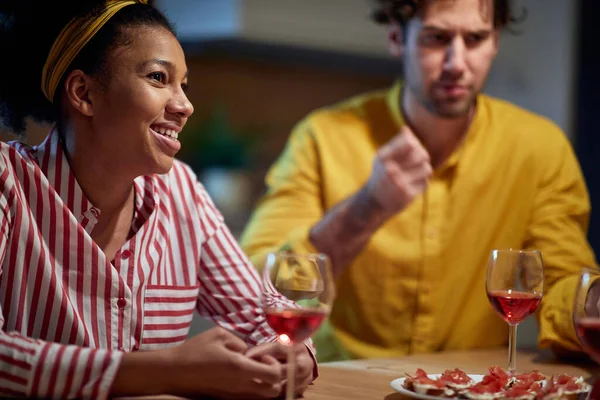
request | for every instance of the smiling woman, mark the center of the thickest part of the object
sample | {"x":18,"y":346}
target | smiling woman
{"x":107,"y":243}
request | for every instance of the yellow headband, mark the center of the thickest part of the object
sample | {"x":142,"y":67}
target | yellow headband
{"x":71,"y":40}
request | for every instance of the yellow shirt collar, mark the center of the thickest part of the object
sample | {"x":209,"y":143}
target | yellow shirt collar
{"x":395,"y":110}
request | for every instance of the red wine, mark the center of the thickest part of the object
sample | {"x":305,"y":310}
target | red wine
{"x":514,"y":306}
{"x":298,"y":325}
{"x":588,"y":331}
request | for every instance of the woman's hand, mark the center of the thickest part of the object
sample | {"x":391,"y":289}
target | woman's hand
{"x":305,"y":364}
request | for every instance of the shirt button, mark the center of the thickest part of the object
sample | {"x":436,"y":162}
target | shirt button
{"x":121,"y":303}
{"x":125,"y":254}
{"x":121,"y":348}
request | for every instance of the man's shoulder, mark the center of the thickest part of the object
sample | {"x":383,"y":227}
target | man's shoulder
{"x":353,"y":113}
{"x":506,"y":111}
{"x":522,"y":124}
{"x":358,"y":106}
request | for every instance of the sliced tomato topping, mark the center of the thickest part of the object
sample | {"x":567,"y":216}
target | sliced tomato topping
{"x":456,"y":376}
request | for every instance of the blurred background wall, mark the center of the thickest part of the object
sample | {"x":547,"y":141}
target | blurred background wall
{"x":258,"y":66}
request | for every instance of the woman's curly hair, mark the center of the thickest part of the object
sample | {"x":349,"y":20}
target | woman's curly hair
{"x":400,"y":11}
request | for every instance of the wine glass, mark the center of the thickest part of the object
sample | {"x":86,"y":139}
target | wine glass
{"x":298,"y":293}
{"x":586,"y":317}
{"x":514,"y":285}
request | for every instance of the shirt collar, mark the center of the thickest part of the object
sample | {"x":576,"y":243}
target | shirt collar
{"x":393,"y":101}
{"x":53,"y":162}
{"x":146,"y":200}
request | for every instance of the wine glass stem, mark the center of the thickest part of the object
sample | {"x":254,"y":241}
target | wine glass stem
{"x":512,"y":348}
{"x":291,"y":372}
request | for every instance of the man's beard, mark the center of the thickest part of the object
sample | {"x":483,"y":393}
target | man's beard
{"x":451,"y":109}
{"x":445,"y":108}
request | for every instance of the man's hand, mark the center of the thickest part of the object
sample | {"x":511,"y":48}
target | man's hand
{"x":304,"y":362}
{"x":401,"y":172}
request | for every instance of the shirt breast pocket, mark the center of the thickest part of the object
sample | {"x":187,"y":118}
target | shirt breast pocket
{"x":168,"y":312}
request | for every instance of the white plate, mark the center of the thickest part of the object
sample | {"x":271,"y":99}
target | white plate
{"x":398,"y":384}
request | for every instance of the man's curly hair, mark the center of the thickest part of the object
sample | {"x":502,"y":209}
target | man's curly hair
{"x":400,"y":11}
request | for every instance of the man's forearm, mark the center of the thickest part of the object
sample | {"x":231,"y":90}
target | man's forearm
{"x":346,"y":229}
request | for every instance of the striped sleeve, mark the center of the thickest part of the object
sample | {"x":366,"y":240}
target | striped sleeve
{"x":230,"y":289}
{"x":33,"y":368}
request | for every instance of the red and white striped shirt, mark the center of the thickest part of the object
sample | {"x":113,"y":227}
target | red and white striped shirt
{"x":68,"y":312}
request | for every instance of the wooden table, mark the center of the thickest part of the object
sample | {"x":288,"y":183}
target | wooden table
{"x":370,"y":379}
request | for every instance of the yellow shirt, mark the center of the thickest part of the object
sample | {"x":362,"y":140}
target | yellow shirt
{"x":419,"y":285}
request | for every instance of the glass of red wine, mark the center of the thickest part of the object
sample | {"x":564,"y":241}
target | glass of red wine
{"x":515,"y":285}
{"x":586,"y":317}
{"x":298,"y":292}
